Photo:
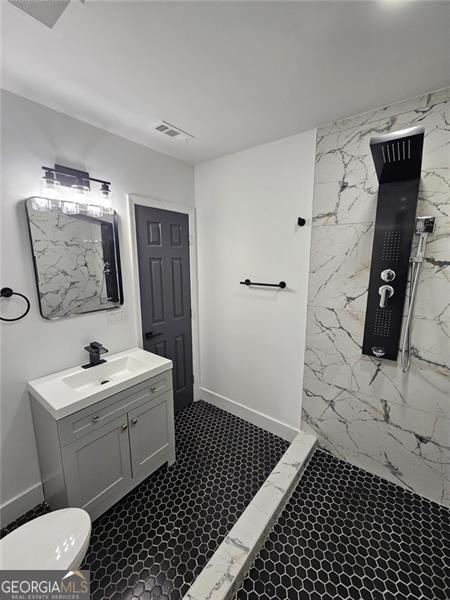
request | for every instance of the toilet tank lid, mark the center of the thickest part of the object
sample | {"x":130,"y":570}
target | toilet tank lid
{"x":51,"y":541}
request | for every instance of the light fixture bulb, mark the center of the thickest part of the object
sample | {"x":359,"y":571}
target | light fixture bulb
{"x":70,"y":208}
{"x":94,"y":210}
{"x":41,"y":204}
{"x":80,"y":190}
{"x":105,"y":198}
{"x":105,"y":191}
{"x":50,"y":187}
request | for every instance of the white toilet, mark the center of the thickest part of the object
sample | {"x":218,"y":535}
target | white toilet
{"x":57,"y":540}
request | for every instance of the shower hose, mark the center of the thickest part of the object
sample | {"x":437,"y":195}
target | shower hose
{"x":406,"y":345}
{"x":416,"y":263}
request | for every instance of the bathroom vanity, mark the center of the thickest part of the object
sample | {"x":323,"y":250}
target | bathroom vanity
{"x":103,"y":430}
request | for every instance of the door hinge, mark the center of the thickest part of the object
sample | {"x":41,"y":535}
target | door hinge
{"x":192,"y":378}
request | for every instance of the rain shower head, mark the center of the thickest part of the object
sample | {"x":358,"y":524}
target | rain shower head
{"x":398,"y":155}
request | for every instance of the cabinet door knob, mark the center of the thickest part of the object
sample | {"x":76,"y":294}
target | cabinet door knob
{"x":95,"y":418}
{"x":124,"y":427}
{"x":134,"y":421}
{"x":153,"y":389}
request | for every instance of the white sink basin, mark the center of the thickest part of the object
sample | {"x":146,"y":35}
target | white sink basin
{"x":71,"y":390}
{"x":110,"y":372}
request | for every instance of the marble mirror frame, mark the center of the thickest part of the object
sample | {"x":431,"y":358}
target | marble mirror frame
{"x":111,"y":218}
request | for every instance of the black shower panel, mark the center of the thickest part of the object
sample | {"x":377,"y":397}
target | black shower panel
{"x":398,"y":161}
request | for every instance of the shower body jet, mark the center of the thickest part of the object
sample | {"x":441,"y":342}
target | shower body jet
{"x":398,"y":162}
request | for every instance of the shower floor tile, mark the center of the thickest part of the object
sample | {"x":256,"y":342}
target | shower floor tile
{"x":348,"y":535}
{"x":156,"y":540}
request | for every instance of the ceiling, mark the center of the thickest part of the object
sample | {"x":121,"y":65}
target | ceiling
{"x":234,"y":74}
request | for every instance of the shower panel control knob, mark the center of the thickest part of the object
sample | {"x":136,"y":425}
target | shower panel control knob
{"x":385,"y":291}
{"x":388,"y":275}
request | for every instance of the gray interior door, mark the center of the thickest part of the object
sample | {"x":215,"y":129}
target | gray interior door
{"x":164,"y":279}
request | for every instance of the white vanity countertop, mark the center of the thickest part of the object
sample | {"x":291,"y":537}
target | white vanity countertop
{"x":69,"y":391}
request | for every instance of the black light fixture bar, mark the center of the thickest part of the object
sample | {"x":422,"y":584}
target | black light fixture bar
{"x":69,"y":177}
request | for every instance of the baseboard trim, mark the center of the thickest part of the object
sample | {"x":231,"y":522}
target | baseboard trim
{"x":20,"y":504}
{"x":283,"y":430}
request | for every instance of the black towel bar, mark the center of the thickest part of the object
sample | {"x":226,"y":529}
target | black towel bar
{"x":281,"y":285}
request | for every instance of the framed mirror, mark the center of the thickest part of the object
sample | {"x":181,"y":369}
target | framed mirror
{"x":76,"y":257}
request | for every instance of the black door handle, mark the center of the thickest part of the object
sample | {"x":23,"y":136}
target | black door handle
{"x":150,"y":335}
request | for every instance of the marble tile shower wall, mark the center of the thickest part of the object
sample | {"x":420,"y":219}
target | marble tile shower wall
{"x":363,"y":410}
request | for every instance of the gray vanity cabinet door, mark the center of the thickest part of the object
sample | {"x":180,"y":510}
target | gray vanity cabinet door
{"x":97,"y":465}
{"x":149,"y":435}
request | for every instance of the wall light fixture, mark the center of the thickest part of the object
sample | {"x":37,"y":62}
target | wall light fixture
{"x":72,"y":187}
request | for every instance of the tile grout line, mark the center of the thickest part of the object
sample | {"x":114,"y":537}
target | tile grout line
{"x":348,"y":534}
{"x":156,"y":540}
{"x":260,"y":543}
{"x":226,"y":569}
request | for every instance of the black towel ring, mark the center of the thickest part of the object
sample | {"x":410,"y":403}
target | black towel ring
{"x":7,"y":292}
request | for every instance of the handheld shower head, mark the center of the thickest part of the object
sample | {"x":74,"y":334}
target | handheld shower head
{"x":425,"y":224}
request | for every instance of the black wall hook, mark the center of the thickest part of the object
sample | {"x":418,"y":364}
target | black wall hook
{"x":7,"y":292}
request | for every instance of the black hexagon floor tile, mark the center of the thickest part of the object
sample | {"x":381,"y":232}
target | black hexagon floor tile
{"x":156,"y":540}
{"x":348,"y":535}
{"x":37,"y":511}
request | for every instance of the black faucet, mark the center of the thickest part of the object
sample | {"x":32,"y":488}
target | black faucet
{"x":94,"y":349}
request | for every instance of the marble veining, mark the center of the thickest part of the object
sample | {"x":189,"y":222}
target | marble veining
{"x":346,"y":187}
{"x":419,"y":105}
{"x":222,"y":575}
{"x":367,"y":411}
{"x":71,"y":266}
{"x":346,"y":534}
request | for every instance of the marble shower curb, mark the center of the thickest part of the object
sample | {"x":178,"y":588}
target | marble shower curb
{"x":224,"y":572}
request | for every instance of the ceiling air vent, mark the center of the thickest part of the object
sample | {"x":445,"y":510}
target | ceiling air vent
{"x":46,"y":12}
{"x":172,"y":131}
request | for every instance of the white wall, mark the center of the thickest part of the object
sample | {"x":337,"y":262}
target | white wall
{"x":32,"y":136}
{"x":252,"y":340}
